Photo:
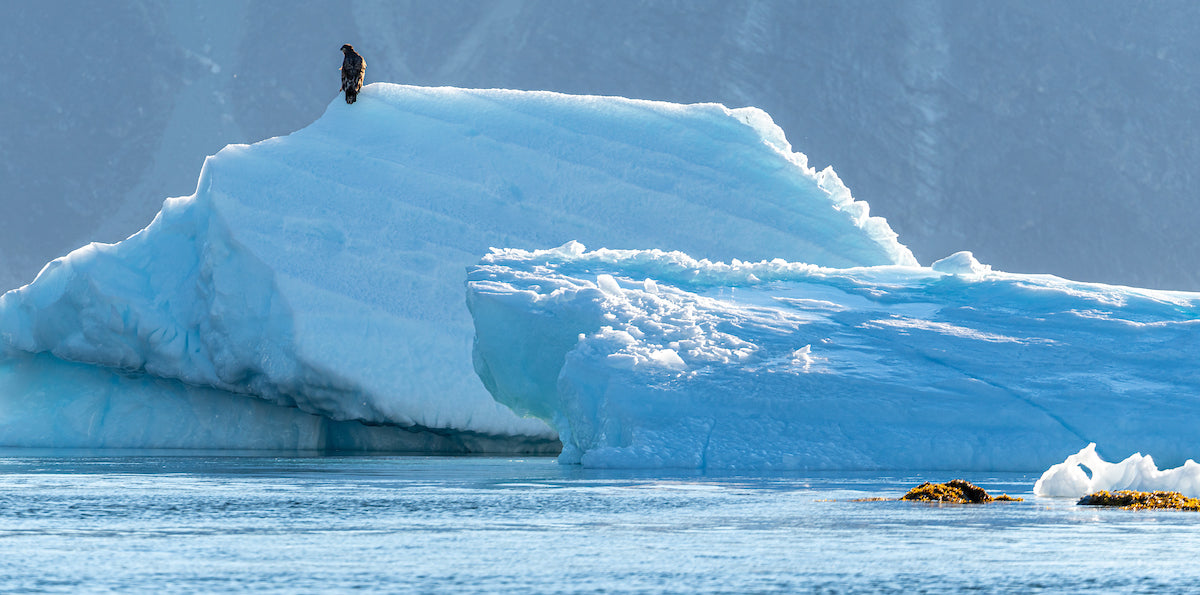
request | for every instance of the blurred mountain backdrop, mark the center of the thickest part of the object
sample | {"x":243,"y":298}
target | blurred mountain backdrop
{"x":1053,"y":137}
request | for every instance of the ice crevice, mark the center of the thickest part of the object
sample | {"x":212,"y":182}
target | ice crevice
{"x":1013,"y":393}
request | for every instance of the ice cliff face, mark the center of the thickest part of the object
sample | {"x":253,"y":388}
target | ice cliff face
{"x":656,"y":359}
{"x":323,"y":271}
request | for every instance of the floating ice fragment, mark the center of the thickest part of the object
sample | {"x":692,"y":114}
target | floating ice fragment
{"x":1085,"y":472}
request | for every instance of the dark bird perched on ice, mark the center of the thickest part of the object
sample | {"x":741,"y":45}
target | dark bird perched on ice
{"x":353,"y":69}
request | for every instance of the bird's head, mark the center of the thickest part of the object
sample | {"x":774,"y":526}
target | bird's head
{"x":347,"y":47}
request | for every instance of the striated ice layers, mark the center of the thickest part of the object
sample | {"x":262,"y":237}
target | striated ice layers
{"x":656,"y":359}
{"x":1085,"y":473}
{"x":315,"y":281}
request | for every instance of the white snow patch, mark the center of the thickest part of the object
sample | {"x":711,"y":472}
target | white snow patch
{"x":961,"y":263}
{"x":905,"y":322}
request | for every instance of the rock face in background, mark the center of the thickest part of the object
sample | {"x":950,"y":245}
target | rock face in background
{"x":1045,"y":138}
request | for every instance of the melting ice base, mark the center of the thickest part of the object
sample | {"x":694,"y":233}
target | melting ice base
{"x":50,"y":403}
{"x":1085,"y":473}
{"x":322,"y":273}
{"x":656,"y":359}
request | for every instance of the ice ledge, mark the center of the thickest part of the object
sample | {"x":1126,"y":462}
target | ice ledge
{"x":645,"y":358}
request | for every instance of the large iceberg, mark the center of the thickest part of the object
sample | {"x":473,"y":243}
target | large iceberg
{"x":656,"y":359}
{"x":315,"y":281}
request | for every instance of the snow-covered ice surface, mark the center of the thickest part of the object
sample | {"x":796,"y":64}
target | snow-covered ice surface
{"x":1085,"y":473}
{"x":323,"y":272}
{"x":655,"y":359}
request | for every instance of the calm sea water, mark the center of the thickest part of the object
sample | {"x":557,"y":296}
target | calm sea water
{"x":484,"y":525}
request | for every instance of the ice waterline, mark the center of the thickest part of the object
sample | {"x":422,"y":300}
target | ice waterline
{"x":499,"y":524}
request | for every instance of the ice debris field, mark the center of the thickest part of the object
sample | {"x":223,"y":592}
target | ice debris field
{"x":738,"y":309}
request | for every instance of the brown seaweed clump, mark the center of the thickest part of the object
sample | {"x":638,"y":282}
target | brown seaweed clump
{"x":1131,"y":500}
{"x":958,"y":491}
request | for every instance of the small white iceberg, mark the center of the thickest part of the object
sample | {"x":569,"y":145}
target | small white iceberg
{"x":1085,"y":473}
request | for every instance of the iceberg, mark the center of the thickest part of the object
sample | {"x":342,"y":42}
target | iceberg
{"x":648,"y":358}
{"x":1085,"y":472}
{"x":309,"y":294}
